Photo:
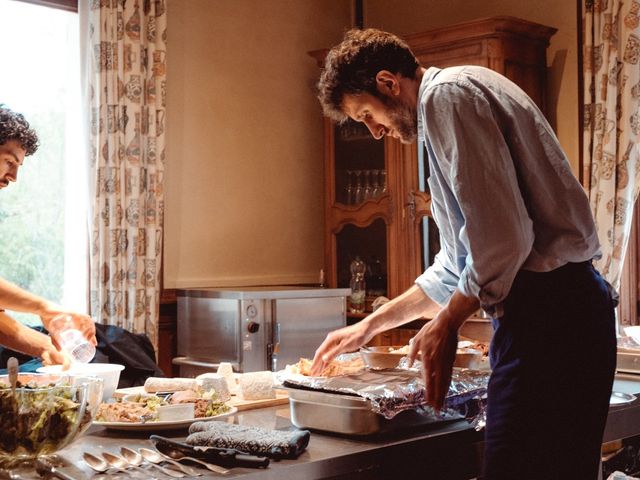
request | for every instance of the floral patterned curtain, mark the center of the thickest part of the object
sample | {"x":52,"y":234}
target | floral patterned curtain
{"x":126,"y":75}
{"x":612,"y":123}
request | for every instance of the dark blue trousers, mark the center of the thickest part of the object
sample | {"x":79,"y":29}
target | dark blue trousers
{"x":553,"y":357}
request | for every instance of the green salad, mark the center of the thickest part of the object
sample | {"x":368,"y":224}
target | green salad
{"x":36,"y":419}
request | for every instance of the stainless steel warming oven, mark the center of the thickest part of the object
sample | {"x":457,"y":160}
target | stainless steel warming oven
{"x":259,"y":328}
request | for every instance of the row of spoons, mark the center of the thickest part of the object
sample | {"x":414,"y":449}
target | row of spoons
{"x":133,"y":459}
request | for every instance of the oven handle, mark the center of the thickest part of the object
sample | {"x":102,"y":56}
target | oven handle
{"x":196,"y":363}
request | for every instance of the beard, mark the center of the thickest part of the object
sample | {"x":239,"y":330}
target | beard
{"x":403,"y":118}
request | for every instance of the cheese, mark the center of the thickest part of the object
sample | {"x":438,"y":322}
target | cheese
{"x":216,"y":382}
{"x":257,"y":385}
{"x":226,"y":370}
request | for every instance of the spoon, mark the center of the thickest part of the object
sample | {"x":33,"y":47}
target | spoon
{"x":12,"y":369}
{"x":119,"y":462}
{"x":178,"y":455}
{"x":134,"y":458}
{"x":99,"y":464}
{"x":47,"y":469}
{"x":156,"y":457}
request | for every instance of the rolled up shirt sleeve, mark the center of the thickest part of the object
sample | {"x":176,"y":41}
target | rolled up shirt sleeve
{"x":487,"y":232}
{"x":439,"y":281}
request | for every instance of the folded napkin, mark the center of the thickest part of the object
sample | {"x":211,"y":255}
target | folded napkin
{"x":252,"y":440}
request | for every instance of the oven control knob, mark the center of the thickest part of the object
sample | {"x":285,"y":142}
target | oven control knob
{"x":252,"y":311}
{"x":253,"y":327}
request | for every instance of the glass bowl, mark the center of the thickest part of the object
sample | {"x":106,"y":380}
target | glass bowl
{"x":44,"y":414}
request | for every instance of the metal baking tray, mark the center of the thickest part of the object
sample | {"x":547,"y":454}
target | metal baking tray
{"x":628,"y":361}
{"x":388,"y":357}
{"x":351,"y":415}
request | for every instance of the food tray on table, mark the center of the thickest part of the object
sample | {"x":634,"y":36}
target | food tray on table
{"x":281,"y":398}
{"x":351,"y":414}
{"x":161,"y":425}
{"x":374,"y":401}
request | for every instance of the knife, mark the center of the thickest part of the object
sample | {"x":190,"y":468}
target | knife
{"x":226,"y":457}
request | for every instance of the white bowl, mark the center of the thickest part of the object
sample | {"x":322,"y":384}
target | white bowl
{"x":633,"y":332}
{"x":109,"y":372}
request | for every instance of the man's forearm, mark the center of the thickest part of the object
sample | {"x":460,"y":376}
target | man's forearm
{"x":409,"y":306}
{"x":459,"y":309}
{"x":21,"y":338}
{"x":15,"y":298}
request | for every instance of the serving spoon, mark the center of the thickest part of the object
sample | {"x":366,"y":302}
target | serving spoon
{"x":156,"y":457}
{"x":121,"y":463}
{"x":99,"y":464}
{"x":134,"y":458}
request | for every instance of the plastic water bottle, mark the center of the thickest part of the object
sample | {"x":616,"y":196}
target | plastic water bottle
{"x":72,"y":341}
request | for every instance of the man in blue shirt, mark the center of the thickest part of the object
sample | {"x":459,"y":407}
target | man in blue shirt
{"x":517,"y":238}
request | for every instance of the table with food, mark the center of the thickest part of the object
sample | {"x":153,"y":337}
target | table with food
{"x":365,"y":414}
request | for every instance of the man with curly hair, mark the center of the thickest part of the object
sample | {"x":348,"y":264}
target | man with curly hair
{"x":17,"y":141}
{"x":517,"y":237}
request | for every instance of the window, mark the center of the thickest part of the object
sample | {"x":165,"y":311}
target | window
{"x":43,"y":239}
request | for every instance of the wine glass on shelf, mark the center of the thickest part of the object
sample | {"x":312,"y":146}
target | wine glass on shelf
{"x":375,"y":183}
{"x":358,"y":193}
{"x":368,"y":190}
{"x":383,"y":182}
{"x":349,"y":189}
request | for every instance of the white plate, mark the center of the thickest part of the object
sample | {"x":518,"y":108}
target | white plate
{"x":619,"y":398}
{"x":170,"y":425}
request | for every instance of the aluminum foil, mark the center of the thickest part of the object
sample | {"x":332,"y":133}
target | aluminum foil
{"x":392,"y":391}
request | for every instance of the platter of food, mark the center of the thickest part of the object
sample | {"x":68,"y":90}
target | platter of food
{"x":145,"y":410}
{"x":160,"y":424}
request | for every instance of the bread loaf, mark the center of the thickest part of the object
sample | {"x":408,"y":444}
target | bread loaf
{"x":159,"y":384}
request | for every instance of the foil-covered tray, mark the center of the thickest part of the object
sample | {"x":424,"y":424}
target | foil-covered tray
{"x":360,"y":403}
{"x":351,"y":414}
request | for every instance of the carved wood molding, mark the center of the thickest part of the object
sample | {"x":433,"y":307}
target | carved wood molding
{"x":361,"y":215}
{"x":423,"y":206}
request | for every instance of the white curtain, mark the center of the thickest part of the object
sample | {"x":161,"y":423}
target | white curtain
{"x":612,"y":123}
{"x":125,"y":84}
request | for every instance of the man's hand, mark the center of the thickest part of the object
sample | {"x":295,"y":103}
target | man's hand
{"x":435,"y":346}
{"x":81,"y":322}
{"x":347,"y":339}
{"x":51,"y":356}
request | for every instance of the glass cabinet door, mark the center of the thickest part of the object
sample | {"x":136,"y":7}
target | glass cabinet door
{"x":429,"y":235}
{"x":360,"y":173}
{"x":368,"y":244}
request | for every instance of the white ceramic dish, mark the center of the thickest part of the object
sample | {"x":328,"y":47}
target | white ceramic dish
{"x":167,"y":425}
{"x":633,"y":332}
{"x":619,"y":398}
{"x":109,"y":372}
{"x":176,"y":413}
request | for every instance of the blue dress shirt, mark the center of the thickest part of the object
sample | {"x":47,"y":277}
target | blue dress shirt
{"x":502,"y":191}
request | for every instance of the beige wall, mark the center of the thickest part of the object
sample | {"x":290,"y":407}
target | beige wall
{"x":244,"y":147}
{"x":410,"y":16}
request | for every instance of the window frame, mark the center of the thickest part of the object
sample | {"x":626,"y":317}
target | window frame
{"x":67,"y":5}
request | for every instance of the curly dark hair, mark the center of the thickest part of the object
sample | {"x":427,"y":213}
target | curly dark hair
{"x":351,"y":67}
{"x":13,"y":126}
